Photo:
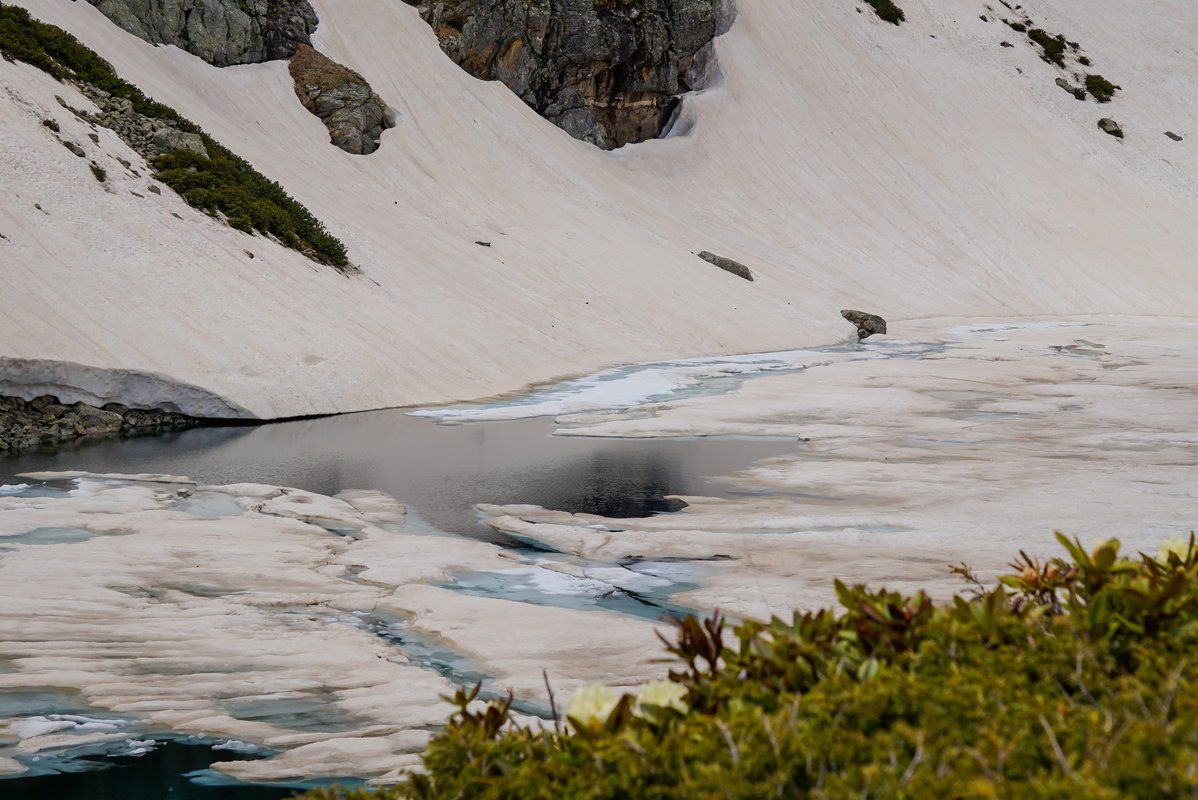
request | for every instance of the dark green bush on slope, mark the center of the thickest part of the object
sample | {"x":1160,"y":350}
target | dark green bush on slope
{"x":1052,"y":47}
{"x":1101,"y":89}
{"x":888,"y":11}
{"x":1074,"y":678}
{"x":224,"y":183}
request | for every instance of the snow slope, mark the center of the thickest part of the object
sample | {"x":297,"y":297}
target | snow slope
{"x":913,"y":171}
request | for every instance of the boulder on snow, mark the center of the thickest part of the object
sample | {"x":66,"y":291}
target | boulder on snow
{"x":355,"y":116}
{"x":1109,"y":125}
{"x":867,"y":324}
{"x":728,"y":265}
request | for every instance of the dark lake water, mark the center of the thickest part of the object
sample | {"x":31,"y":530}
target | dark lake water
{"x":166,"y":772}
{"x":440,"y":471}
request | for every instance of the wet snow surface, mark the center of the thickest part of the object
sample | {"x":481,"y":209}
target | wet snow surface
{"x":287,"y":604}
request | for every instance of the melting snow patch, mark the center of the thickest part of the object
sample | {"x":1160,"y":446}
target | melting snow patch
{"x":235,"y":746}
{"x":668,"y":380}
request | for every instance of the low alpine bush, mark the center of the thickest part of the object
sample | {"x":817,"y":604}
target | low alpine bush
{"x":888,"y":11}
{"x":1074,"y":677}
{"x":1100,"y":88}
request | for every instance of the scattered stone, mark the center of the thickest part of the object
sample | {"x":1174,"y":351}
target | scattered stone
{"x":1109,"y":125}
{"x":222,"y":32}
{"x":481,"y":243}
{"x":608,"y":72}
{"x":153,"y":187}
{"x":867,"y":324}
{"x":1076,"y":91}
{"x":355,"y":116}
{"x":1173,"y":136}
{"x":45,"y":421}
{"x":728,"y":265}
{"x":52,"y":125}
{"x":94,"y":137}
{"x":74,"y":148}
{"x":1006,"y":44}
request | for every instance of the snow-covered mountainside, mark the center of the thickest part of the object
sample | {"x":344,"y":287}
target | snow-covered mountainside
{"x":912,"y":170}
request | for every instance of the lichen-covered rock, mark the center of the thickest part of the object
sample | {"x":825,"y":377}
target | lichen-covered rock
{"x":222,"y":32}
{"x":608,"y":72}
{"x":355,"y":116}
{"x":45,"y":421}
{"x":866,"y":324}
{"x":728,"y":265}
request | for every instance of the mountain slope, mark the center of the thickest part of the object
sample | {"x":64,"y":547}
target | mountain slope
{"x":912,"y":170}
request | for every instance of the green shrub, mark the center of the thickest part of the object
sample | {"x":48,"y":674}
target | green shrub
{"x":100,"y":173}
{"x":1073,"y":678}
{"x":1102,"y":89}
{"x":888,"y":11}
{"x":225,"y":182}
{"x":1052,"y":47}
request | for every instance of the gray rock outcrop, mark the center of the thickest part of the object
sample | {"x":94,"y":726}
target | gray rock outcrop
{"x":867,"y":324}
{"x":608,"y":72}
{"x":355,"y":116}
{"x":45,"y":421}
{"x":222,"y":32}
{"x":728,"y":265}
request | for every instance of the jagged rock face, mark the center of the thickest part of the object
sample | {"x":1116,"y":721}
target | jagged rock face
{"x":222,"y":32}
{"x":606,"y":71}
{"x":355,"y":116}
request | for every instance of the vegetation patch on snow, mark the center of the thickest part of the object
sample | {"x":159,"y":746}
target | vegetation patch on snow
{"x":223,"y":182}
{"x":888,"y":11}
{"x":1074,"y":677}
{"x":1100,"y":88}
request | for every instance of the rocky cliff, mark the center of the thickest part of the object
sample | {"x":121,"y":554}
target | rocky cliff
{"x":222,"y":32}
{"x":355,"y":116}
{"x":608,"y":72}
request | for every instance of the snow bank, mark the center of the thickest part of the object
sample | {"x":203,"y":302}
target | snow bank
{"x":913,"y":171}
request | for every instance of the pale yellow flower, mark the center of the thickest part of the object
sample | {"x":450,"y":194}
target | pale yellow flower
{"x":592,"y":704}
{"x":657,"y":695}
{"x":1178,"y":544}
